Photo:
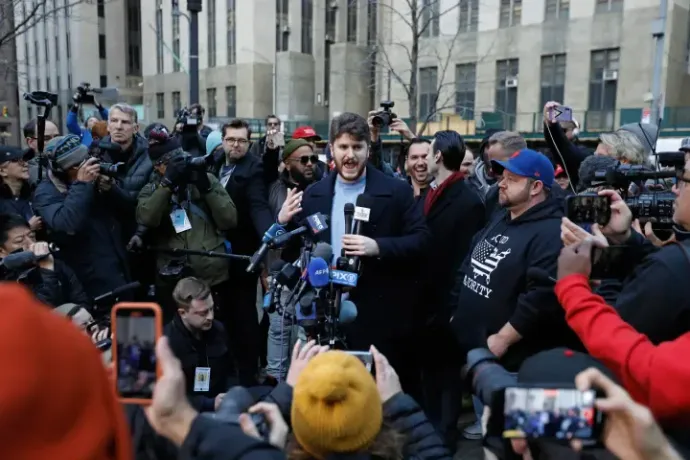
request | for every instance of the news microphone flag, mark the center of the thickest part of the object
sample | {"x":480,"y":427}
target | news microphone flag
{"x":318,"y":273}
{"x":317,"y":223}
{"x":273,"y":232}
{"x":344,"y":278}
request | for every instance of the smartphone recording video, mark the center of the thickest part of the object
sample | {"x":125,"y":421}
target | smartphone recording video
{"x":137,"y":328}
{"x":588,"y":209}
{"x":550,"y":413}
{"x":366,"y":357}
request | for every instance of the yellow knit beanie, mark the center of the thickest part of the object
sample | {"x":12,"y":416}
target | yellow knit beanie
{"x":336,"y":407}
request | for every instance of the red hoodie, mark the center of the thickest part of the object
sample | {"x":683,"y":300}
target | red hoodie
{"x":657,"y":376}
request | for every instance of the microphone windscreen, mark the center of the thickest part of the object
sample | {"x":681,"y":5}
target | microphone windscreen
{"x":318,"y":272}
{"x":274,"y":231}
{"x":323,"y":250}
{"x":307,"y":299}
{"x":349,"y":208}
{"x":348,"y":312}
{"x":19,"y":260}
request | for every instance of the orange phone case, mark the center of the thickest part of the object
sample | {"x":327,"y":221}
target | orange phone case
{"x":159,"y":332}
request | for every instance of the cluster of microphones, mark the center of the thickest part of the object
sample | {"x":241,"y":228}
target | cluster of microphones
{"x":316,"y":281}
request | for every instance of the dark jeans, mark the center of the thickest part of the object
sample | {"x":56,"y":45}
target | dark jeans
{"x":236,"y":309}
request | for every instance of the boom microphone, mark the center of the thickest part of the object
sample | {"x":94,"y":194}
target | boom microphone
{"x":18,"y":260}
{"x":266,"y":242}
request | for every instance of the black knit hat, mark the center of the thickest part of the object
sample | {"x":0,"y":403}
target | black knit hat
{"x":161,"y":143}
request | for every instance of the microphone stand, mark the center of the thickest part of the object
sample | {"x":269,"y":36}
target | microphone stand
{"x":193,"y":252}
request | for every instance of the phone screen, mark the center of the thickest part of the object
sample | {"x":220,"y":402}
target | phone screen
{"x":366,"y":357}
{"x":588,"y":209}
{"x":562,"y":413}
{"x":135,"y":335}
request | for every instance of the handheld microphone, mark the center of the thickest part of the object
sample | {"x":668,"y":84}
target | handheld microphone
{"x":324,"y":251}
{"x":349,"y":211}
{"x":266,"y":242}
{"x":318,"y":273}
{"x":362,"y":213}
{"x":316,"y":224}
{"x":348,"y":312}
{"x":18,"y":260}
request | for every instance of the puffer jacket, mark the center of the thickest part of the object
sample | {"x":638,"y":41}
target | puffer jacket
{"x":154,"y":209}
{"x":139,"y":169}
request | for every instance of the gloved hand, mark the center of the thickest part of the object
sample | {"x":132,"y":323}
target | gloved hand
{"x":175,"y":172}
{"x":76,"y":97}
{"x":201,"y":181}
{"x":135,"y":243}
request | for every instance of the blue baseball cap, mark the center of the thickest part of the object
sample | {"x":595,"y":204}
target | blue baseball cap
{"x":527,"y":163}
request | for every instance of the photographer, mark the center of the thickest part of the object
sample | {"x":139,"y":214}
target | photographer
{"x":269,"y":148}
{"x":51,"y":280}
{"x":74,"y":211}
{"x":31,"y":138}
{"x":186,"y":208}
{"x":657,"y":281}
{"x":15,"y":190}
{"x":99,"y":333}
{"x":396,"y":125}
{"x":191,"y":131}
{"x":83,"y":93}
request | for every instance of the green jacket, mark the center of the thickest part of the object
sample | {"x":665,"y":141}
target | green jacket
{"x":154,"y":208}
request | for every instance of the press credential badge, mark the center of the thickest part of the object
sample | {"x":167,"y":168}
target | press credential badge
{"x":180,"y":220}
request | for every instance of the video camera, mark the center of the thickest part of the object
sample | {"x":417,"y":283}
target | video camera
{"x":190,"y":120}
{"x":650,"y":206}
{"x":85,"y":94}
{"x":384,"y":117}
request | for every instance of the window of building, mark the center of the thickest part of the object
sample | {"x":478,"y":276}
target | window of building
{"x":46,"y":49}
{"x":104,"y":81}
{"x":282,"y":25}
{"x":38,"y":83}
{"x":428,"y":80}
{"x":430,"y":23}
{"x":26,"y":54}
{"x":372,"y":23}
{"x":211,"y":102}
{"x":101,"y":46}
{"x":100,"y":8}
{"x":603,"y":86}
{"x":606,"y":6}
{"x":331,"y":14}
{"x":176,"y":102}
{"x":552,"y":78}
{"x":465,"y":86}
{"x":176,"y":42}
{"x":160,"y":106}
{"x":48,"y":87}
{"x":60,"y":122}
{"x":468,"y":15}
{"x":231,"y":42}
{"x":36,"y":55}
{"x":352,"y":21}
{"x":69,"y":81}
{"x":159,"y":38}
{"x":211,"y":45}
{"x":307,"y":20}
{"x":231,"y":101}
{"x":30,"y":112}
{"x":68,"y":46}
{"x":510,"y":13}
{"x":557,"y":9}
{"x":506,"y":90}
{"x":59,"y":83}
{"x":372,"y":32}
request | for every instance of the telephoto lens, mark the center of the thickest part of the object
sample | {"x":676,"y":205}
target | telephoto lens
{"x":237,"y":401}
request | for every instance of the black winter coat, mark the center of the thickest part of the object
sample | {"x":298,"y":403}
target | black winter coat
{"x":58,"y":286}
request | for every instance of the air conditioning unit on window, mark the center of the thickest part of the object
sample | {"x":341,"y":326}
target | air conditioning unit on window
{"x":286,"y":29}
{"x":511,"y":82}
{"x":333,"y":4}
{"x":329,"y":38}
{"x":610,"y":75}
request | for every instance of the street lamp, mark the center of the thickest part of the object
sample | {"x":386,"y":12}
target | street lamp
{"x":194,"y":8}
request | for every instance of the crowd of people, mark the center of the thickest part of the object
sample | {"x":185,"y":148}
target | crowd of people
{"x":461,"y":250}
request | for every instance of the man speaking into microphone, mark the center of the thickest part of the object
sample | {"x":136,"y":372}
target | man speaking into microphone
{"x":392,"y":236}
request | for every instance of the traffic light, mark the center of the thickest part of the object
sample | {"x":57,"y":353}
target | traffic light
{"x":4,"y":111}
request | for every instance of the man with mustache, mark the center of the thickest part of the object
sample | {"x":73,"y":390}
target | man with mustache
{"x":390,"y":242}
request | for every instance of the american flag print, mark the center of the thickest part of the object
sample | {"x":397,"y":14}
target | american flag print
{"x":485,"y":259}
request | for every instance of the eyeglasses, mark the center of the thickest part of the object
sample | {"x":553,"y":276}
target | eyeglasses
{"x":46,"y":137}
{"x":232,"y":140}
{"x":306,"y":159}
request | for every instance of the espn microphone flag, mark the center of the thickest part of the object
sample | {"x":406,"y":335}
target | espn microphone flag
{"x":318,"y":273}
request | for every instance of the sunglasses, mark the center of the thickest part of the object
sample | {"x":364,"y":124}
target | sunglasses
{"x":306,"y":159}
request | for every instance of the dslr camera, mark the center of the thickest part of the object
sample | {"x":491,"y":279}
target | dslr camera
{"x":384,"y":117}
{"x":85,"y":94}
{"x":650,"y":206}
{"x":97,"y":149}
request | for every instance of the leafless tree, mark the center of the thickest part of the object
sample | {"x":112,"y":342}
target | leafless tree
{"x":420,"y":17}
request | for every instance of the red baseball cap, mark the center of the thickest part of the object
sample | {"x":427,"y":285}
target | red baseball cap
{"x":305,"y":132}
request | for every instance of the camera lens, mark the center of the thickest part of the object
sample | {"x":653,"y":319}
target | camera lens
{"x":657,"y":207}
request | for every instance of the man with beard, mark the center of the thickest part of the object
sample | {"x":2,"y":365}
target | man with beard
{"x":496,"y":306}
{"x":390,"y":241}
{"x":416,"y":166}
{"x":454,"y":213}
{"x":300,"y":164}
